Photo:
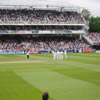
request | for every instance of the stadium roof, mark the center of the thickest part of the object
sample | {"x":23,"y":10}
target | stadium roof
{"x":43,"y":7}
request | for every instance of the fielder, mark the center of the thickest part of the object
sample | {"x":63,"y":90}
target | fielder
{"x":65,"y":53}
{"x":61,"y":55}
{"x":54,"y":55}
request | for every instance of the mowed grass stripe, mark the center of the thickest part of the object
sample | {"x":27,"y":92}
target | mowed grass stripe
{"x":87,"y":60}
{"x":76,"y":64}
{"x":46,"y":57}
{"x":38,"y":56}
{"x":59,"y":86}
{"x":85,"y":57}
{"x":23,"y":57}
{"x":81,"y":74}
{"x":7,"y":58}
{"x":12,"y":87}
{"x":94,"y":55}
{"x":50,"y":62}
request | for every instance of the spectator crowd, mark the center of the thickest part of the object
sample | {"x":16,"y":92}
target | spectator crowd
{"x":95,"y":37}
{"x":38,"y":44}
{"x":34,"y":16}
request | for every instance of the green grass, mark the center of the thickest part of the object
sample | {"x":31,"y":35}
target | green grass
{"x":75,"y":78}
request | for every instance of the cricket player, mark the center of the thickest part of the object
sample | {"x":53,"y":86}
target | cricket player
{"x":27,"y":54}
{"x":61,"y":55}
{"x":58,"y":55}
{"x":54,"y":55}
{"x":65,"y":53}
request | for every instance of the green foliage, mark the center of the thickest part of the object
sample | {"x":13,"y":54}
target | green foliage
{"x":94,"y":24}
{"x":86,"y":13}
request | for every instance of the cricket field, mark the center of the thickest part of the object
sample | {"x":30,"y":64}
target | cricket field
{"x":75,"y":78}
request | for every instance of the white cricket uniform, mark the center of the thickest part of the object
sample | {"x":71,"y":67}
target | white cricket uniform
{"x":61,"y":53}
{"x":54,"y":55}
{"x":58,"y":55}
{"x":65,"y":53}
{"x":28,"y":55}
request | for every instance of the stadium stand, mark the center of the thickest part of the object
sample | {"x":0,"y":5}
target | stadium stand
{"x":39,"y":16}
{"x":43,"y":44}
{"x":95,"y":37}
{"x":61,"y":24}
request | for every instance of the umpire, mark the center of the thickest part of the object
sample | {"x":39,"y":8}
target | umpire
{"x":28,"y":55}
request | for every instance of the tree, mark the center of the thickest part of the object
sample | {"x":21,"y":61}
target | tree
{"x":94,"y":24}
{"x":86,"y":13}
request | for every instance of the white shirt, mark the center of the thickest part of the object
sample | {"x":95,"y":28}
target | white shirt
{"x":27,"y":54}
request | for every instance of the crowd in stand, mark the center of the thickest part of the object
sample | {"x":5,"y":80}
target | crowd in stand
{"x":95,"y":37}
{"x":43,"y":44}
{"x":39,"y":16}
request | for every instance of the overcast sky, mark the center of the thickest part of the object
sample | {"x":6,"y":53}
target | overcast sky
{"x":92,"y":5}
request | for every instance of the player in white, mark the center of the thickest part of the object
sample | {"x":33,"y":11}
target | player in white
{"x":27,"y":54}
{"x":54,"y":55}
{"x":58,"y":55}
{"x":62,"y":56}
{"x":65,"y":53}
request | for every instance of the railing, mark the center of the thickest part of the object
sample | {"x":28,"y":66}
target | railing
{"x":41,"y":23}
{"x":43,"y":32}
{"x":88,"y":40}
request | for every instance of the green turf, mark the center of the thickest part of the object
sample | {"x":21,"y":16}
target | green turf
{"x":75,"y":78}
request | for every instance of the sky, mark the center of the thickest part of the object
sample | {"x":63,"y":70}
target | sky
{"x":92,"y":5}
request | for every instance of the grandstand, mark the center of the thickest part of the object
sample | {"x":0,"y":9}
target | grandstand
{"x":42,"y":28}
